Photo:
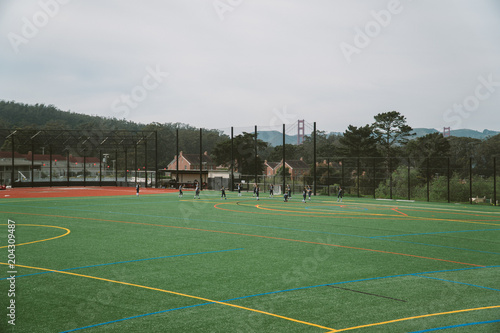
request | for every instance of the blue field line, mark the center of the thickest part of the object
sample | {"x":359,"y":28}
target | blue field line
{"x":467,"y":284}
{"x":280,"y":291}
{"x":128,"y":261}
{"x":271,"y":227}
{"x":458,"y":325}
{"x":456,"y":270}
{"x":135,"y":317}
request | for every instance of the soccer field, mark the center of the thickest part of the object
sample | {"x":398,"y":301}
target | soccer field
{"x":160,"y":263}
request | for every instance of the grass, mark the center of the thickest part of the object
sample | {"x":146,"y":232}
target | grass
{"x":157,"y":263}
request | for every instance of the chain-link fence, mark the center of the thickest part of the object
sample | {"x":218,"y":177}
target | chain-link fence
{"x":78,"y":157}
{"x":261,"y":156}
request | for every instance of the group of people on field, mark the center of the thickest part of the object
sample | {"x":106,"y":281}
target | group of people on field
{"x":306,"y":192}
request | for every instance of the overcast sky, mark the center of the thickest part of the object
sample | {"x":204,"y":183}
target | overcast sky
{"x":222,"y":63}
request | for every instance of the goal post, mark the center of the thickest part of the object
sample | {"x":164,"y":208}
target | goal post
{"x":277,"y":190}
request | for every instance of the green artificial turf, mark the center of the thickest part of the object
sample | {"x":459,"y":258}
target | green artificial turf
{"x":155,"y":263}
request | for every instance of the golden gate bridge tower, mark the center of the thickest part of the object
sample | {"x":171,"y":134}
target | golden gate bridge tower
{"x":300,"y":131}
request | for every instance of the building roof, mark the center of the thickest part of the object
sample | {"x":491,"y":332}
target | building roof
{"x":297,"y":164}
{"x":80,"y":159}
{"x":272,"y":165}
{"x":18,"y":163}
{"x":194,"y":159}
{"x":8,"y":154}
{"x":56,"y":157}
{"x":44,"y":157}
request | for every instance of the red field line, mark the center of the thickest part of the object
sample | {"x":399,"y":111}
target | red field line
{"x":80,"y":191}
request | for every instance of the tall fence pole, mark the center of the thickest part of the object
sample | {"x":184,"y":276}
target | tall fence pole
{"x":314,"y":160}
{"x":201,"y":161}
{"x":50,"y":165}
{"x":428,"y":180}
{"x":283,"y":166}
{"x":390,"y":177}
{"x":470,"y":180}
{"x":116,"y":167}
{"x":146,"y":162}
{"x":67,"y":167}
{"x":156,"y":159}
{"x":358,"y":171}
{"x":126,"y":166}
{"x":32,"y":163}
{"x":409,"y":181}
{"x":84,"y":167}
{"x":135,"y":162}
{"x":100,"y":167}
{"x":12,"y":182}
{"x":328,"y":177}
{"x":177,"y":157}
{"x":255,"y":156}
{"x":495,"y":181}
{"x":374,"y":177}
{"x":448,"y":170}
{"x":232,"y":159}
{"x":342,"y":173}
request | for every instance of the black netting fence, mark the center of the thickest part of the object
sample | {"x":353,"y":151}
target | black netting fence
{"x":274,"y":156}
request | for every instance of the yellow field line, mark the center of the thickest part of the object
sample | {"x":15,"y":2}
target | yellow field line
{"x":305,"y":214}
{"x":439,"y":210}
{"x":347,"y":214}
{"x":414,"y":317}
{"x":42,"y":240}
{"x":176,"y":293}
{"x":328,"y":213}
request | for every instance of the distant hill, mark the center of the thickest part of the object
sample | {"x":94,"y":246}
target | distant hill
{"x":18,"y":115}
{"x":275,"y":138}
{"x":468,"y":133}
{"x":423,"y":131}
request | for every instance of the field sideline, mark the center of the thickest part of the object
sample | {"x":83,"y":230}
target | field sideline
{"x":105,"y":260}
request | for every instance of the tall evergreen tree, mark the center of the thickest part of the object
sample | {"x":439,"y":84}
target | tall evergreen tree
{"x":390,"y":129}
{"x":244,"y":153}
{"x":358,"y":142}
{"x":391,"y":132}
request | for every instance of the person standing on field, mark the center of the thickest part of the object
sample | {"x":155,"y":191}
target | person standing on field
{"x":197,"y":191}
{"x":340,"y":195}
